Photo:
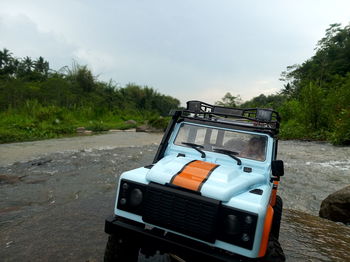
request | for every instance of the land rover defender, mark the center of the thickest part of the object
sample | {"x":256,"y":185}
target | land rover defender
{"x":210,"y":193}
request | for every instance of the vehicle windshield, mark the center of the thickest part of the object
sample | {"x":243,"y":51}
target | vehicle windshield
{"x":244,"y":145}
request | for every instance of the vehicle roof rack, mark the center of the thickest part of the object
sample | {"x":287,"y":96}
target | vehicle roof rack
{"x":262,"y":118}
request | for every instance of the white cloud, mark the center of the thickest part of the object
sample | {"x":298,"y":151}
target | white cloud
{"x":22,"y":37}
{"x":98,"y":61}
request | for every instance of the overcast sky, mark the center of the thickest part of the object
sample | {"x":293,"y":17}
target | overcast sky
{"x":186,"y":49}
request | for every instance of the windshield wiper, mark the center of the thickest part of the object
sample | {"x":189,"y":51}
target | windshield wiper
{"x":195,"y":147}
{"x":229,"y":153}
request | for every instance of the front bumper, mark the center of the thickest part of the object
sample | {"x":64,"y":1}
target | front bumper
{"x":167,"y":242}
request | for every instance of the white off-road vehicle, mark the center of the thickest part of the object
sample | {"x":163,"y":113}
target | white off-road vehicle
{"x":210,"y":193}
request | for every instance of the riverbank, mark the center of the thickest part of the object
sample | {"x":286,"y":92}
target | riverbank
{"x":25,"y":151}
{"x":34,"y":121}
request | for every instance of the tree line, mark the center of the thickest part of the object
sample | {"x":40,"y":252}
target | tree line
{"x":38,"y":102}
{"x":27,"y":79}
{"x":35,"y":98}
{"x":315,"y":100}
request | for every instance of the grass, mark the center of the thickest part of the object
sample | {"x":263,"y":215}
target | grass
{"x":36,"y":122}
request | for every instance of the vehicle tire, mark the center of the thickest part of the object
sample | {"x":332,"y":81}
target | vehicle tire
{"x":120,"y":250}
{"x":274,"y":252}
{"x":277,"y":216}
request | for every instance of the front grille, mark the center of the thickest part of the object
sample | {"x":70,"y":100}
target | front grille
{"x":181,"y":211}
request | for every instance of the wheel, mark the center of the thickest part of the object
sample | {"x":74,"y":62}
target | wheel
{"x":274,"y":252}
{"x":118,"y":249}
{"x":277,"y":215}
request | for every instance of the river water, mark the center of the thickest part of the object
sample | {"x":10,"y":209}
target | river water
{"x":313,"y":170}
{"x":73,"y":181}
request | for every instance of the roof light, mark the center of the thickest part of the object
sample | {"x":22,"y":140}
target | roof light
{"x":194,"y":106}
{"x":263,"y":114}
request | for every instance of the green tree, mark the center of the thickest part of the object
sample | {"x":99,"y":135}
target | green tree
{"x":312,"y":101}
{"x":229,"y":100}
{"x":332,"y":58}
{"x":41,"y":68}
{"x":27,"y":64}
{"x":262,"y":101}
{"x":7,"y":64}
{"x":5,"y":58}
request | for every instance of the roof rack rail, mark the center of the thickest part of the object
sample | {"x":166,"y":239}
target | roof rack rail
{"x":258,"y":116}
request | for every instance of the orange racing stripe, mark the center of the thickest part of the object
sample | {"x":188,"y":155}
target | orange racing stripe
{"x":274,"y":193}
{"x":266,"y":231}
{"x":193,"y":175}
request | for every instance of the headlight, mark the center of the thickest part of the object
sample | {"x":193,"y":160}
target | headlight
{"x":136,"y":196}
{"x":130,"y":196}
{"x":237,"y":227}
{"x":232,"y":225}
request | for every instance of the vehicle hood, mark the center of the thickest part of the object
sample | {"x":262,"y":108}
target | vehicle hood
{"x":213,"y":180}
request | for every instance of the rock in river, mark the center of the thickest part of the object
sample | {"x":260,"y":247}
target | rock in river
{"x":336,"y":206}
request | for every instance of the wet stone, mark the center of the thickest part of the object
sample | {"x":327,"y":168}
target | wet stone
{"x":336,"y":206}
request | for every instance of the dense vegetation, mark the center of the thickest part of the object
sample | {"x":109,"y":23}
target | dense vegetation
{"x":37,"y":102}
{"x":315,"y":100}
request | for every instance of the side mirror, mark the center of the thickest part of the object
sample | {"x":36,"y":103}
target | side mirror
{"x":277,"y":168}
